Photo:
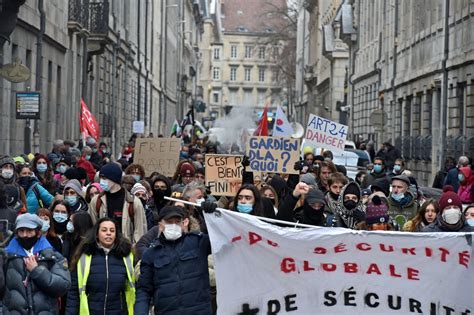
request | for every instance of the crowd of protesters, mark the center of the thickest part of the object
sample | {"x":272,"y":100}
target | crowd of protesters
{"x":86,"y":233}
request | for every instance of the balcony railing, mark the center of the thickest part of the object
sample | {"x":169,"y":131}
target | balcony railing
{"x":92,"y":16}
{"x":78,"y":14}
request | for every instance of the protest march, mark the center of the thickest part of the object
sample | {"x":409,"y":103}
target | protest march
{"x":280,"y":222}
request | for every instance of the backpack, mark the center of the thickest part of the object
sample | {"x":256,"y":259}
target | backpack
{"x":131,"y":210}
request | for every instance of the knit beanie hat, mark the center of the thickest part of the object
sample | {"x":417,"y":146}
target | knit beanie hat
{"x":75,"y":185}
{"x":353,"y":189}
{"x":187,"y":169}
{"x":449,"y":198}
{"x":139,"y":188}
{"x":376,"y":211}
{"x":308,"y":179}
{"x":6,"y":160}
{"x":112,"y":171}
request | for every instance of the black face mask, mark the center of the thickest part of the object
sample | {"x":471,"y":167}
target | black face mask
{"x":25,"y":182}
{"x":272,"y":200}
{"x":27,"y":242}
{"x":313,"y":214}
{"x":350,"y":204}
{"x":333,"y":195}
{"x":158,"y":194}
{"x":60,"y":228}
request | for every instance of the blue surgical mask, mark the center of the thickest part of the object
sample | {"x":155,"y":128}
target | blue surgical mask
{"x":88,"y":157}
{"x":244,"y":208}
{"x":397,"y":197}
{"x":62,"y":169}
{"x":183,"y":155}
{"x":377,"y":168}
{"x":470,"y":222}
{"x":71,"y":200}
{"x":460,"y":177}
{"x":397,"y":168}
{"x":137,"y":177}
{"x":45,"y":226}
{"x":42,"y":168}
{"x":60,"y":217}
{"x":70,"y":227}
{"x":94,"y":150}
{"x":104,"y":184}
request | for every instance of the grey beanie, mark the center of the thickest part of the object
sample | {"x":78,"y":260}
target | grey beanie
{"x":75,"y":185}
{"x":308,"y":179}
{"x":6,"y":160}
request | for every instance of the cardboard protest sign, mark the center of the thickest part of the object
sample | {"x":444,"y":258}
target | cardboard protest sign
{"x":273,"y":154}
{"x":337,"y":271}
{"x":326,"y":134}
{"x":157,"y":155}
{"x":223,"y":174}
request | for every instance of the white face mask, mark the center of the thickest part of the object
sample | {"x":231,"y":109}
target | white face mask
{"x":451,"y":216}
{"x":199,"y":201}
{"x":7,"y":174}
{"x":172,"y":232}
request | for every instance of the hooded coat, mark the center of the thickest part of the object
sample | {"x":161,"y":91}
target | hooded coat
{"x":344,"y":217}
{"x":34,"y":193}
{"x":35,"y":292}
{"x":465,"y":187}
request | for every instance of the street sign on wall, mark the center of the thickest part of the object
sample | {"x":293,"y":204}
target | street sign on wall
{"x":28,"y":105}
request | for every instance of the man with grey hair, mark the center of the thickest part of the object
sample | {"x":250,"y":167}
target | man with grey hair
{"x":57,"y":153}
{"x":196,"y":192}
{"x":452,"y":176}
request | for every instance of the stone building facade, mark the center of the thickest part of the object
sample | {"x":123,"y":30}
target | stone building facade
{"x":243,"y":55}
{"x":129,"y":60}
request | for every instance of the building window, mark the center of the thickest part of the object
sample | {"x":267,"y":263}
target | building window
{"x":217,"y":53}
{"x":248,"y":101}
{"x":215,"y":97}
{"x":233,"y":73}
{"x":275,"y":75}
{"x":261,"y":53}
{"x":233,"y":51}
{"x":261,"y":98}
{"x":247,"y":74}
{"x":248,"y":51}
{"x":261,"y":75}
{"x":233,"y":97}
{"x":275,"y":52}
{"x":216,"y":73}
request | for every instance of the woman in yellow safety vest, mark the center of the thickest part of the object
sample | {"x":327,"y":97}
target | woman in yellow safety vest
{"x":102,"y":273}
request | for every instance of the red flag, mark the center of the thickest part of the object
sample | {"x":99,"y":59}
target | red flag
{"x":262,"y":128}
{"x":88,"y":124}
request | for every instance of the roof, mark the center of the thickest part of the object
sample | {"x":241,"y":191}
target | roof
{"x":253,"y":16}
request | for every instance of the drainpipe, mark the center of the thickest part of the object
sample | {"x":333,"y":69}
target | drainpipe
{"x":146,"y":66}
{"x":139,"y":87}
{"x":354,"y":54}
{"x":114,"y":96}
{"x":395,"y":49}
{"x":38,"y":80}
{"x":444,"y":116}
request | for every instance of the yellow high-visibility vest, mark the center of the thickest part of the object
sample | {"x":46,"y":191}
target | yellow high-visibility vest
{"x":83,"y":269}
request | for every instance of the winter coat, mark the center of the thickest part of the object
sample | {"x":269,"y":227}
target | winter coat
{"x":372,"y":177}
{"x":175,"y":275}
{"x":44,"y":284}
{"x":88,"y":167}
{"x":105,"y":288}
{"x":437,"y":226}
{"x":2,"y":274}
{"x":452,"y":179}
{"x":288,"y":205}
{"x":344,"y":217}
{"x":32,"y":201}
{"x":10,"y":215}
{"x":465,"y":188}
{"x":402,"y":212}
{"x":16,"y":197}
{"x":131,"y":229}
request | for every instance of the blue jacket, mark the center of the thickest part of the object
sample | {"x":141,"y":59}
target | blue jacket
{"x":175,"y":274}
{"x":452,"y":179}
{"x":32,"y":202}
{"x":44,"y":284}
{"x":106,"y":275}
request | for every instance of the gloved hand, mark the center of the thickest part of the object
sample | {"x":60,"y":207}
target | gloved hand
{"x":208,"y":207}
{"x":359,"y":215}
{"x":298,"y":165}
{"x":245,"y":161}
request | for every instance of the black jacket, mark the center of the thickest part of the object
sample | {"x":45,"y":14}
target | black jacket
{"x":105,"y":286}
{"x":174,"y":274}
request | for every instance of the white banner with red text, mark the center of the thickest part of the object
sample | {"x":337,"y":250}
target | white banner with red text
{"x":266,"y":269}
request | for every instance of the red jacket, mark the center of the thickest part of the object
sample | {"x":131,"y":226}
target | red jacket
{"x":90,"y":170}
